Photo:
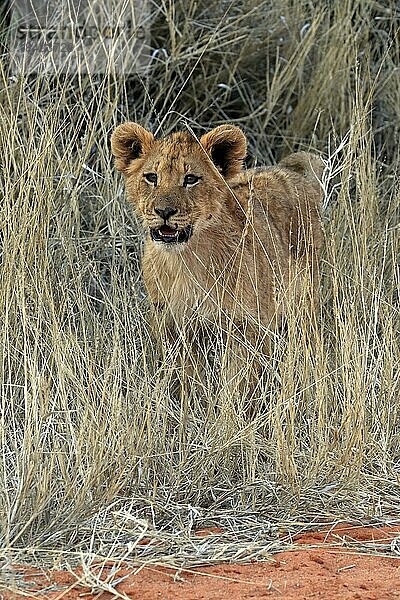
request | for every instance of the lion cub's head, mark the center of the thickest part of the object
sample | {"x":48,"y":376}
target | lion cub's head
{"x":177,"y":184}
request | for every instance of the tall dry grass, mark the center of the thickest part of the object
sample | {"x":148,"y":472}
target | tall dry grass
{"x":97,"y":450}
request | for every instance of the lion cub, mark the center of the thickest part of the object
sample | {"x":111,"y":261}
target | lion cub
{"x":223,"y":245}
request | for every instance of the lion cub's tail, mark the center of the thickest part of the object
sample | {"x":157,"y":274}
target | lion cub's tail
{"x":310,"y":166}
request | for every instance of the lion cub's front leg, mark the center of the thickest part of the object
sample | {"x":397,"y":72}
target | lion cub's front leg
{"x":181,"y":354}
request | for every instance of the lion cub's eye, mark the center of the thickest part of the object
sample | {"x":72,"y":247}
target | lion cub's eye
{"x":190,"y":180}
{"x":151,"y":178}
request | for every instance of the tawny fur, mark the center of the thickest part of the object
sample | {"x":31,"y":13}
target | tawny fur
{"x":256,"y":233}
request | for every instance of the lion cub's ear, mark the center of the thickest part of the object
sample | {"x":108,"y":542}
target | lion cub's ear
{"x":128,"y":142}
{"x":226,"y":145}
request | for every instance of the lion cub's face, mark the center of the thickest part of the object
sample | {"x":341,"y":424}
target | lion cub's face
{"x":177,"y":183}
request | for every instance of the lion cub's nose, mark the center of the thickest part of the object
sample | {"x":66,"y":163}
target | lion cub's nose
{"x":167,"y":212}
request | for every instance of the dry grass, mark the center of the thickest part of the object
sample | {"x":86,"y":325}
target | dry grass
{"x":96,"y":450}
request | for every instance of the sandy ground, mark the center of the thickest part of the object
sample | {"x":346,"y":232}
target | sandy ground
{"x":321,"y":565}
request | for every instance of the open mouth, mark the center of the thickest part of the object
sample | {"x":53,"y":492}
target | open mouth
{"x":168,"y":235}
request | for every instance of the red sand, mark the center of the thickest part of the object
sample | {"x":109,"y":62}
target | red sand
{"x":327,"y":571}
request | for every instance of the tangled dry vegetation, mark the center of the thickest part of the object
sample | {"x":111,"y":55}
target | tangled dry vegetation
{"x":97,"y":451}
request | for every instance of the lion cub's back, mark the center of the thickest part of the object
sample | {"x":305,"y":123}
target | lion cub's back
{"x":287,"y":196}
{"x":299,"y":168}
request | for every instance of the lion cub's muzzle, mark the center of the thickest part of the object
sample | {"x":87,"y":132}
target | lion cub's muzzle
{"x":169,"y":232}
{"x":171,"y":235}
